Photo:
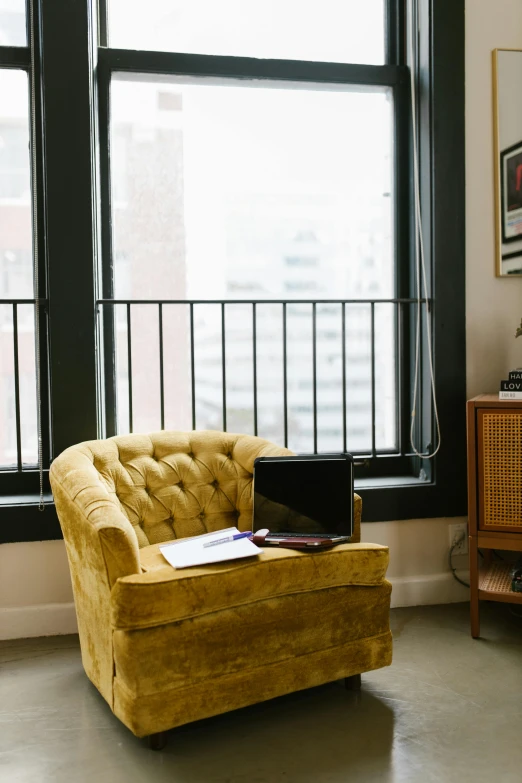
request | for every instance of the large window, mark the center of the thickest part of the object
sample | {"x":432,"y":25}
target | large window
{"x":18,"y":403}
{"x":224,"y":230}
{"x":215,"y":187}
{"x":253,"y":204}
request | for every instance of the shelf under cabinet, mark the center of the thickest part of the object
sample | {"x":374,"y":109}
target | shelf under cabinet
{"x":495,"y":584}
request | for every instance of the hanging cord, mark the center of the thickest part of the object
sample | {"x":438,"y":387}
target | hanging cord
{"x":41,"y":504}
{"x":450,"y":561}
{"x":420,"y":263}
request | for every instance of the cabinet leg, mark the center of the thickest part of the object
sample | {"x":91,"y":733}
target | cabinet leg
{"x":473,"y":584}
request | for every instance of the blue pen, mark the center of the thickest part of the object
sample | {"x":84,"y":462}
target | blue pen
{"x":228,"y":538}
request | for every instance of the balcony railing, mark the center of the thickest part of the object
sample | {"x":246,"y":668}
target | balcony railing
{"x":19,"y":432}
{"x":214,"y":360}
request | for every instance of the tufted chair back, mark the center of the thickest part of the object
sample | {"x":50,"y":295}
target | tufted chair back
{"x":173,"y":484}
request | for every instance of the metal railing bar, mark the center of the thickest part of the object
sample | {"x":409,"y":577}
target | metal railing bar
{"x":243,"y":301}
{"x":399,"y":315}
{"x":129,"y":363}
{"x":254,"y":362}
{"x":314,"y":370}
{"x":372,"y":341}
{"x":17,"y":388}
{"x":162,"y":375}
{"x":343,"y":333}
{"x":285,"y":380}
{"x":23,"y":301}
{"x":223,"y":366}
{"x":192,"y":367}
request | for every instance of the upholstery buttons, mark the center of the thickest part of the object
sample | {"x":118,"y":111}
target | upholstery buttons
{"x":191,"y":455}
{"x":215,"y":483}
{"x":181,"y":485}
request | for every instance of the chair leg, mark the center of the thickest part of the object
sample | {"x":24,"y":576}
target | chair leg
{"x":157,"y":741}
{"x":353,"y":683}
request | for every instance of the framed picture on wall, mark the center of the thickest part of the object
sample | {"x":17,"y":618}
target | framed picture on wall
{"x":511,"y":193}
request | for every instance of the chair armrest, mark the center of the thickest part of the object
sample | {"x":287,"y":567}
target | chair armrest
{"x":91,"y":516}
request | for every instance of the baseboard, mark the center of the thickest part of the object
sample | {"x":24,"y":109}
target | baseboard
{"x":57,"y":619}
{"x":429,"y":589}
{"x":22,"y":622}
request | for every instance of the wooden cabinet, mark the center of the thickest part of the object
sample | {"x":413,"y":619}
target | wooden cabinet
{"x":494,"y":497}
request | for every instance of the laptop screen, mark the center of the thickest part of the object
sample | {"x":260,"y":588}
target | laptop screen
{"x":304,"y":494}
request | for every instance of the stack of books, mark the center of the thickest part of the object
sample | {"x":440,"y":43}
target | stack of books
{"x":512,"y":388}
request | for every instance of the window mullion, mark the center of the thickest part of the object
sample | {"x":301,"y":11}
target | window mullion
{"x":204,"y":65}
{"x":67,"y":89}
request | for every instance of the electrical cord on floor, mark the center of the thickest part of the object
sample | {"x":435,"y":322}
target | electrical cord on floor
{"x":450,"y":561}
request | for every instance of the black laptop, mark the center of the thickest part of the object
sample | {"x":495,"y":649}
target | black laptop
{"x":304,"y":497}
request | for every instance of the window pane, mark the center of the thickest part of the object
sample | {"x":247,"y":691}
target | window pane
{"x":16,"y":271}
{"x":12,"y":23}
{"x":319,"y":30}
{"x":16,"y":265}
{"x":227,"y":191}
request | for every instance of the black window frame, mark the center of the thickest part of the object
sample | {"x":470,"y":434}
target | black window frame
{"x":22,"y":484}
{"x":73,"y":78}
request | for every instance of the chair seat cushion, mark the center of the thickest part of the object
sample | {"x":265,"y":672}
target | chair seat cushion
{"x":162,"y":594}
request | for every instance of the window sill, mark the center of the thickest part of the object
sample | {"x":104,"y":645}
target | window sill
{"x":25,"y":499}
{"x":380,"y":482}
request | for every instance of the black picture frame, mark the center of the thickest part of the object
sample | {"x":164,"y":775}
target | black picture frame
{"x":511,"y":192}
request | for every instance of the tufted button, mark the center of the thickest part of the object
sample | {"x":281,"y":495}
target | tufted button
{"x":215,"y":484}
{"x":191,"y":455}
{"x":202,"y":515}
{"x":229,"y":455}
{"x":181,"y":485}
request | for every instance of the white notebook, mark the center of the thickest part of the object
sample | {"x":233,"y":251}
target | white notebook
{"x":190,"y":551}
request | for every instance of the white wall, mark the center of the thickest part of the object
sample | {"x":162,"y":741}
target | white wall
{"x":493,"y":304}
{"x":35,"y":591}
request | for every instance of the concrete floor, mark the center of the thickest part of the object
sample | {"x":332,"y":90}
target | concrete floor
{"x":449,"y":709}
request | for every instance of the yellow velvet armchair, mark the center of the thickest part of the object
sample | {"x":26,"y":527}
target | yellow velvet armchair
{"x":165,"y":647}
